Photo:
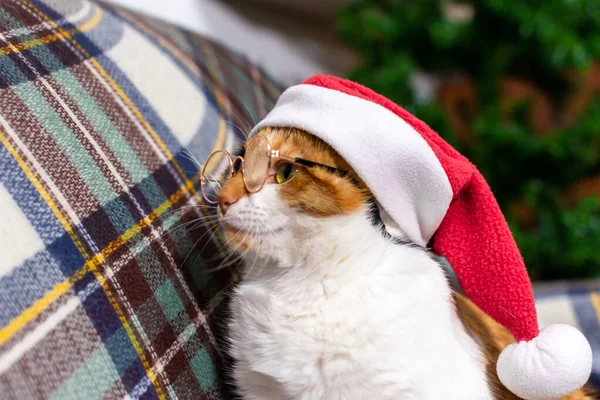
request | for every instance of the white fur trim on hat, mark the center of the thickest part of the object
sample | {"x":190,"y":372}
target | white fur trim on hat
{"x":554,"y":364}
{"x":394,"y":160}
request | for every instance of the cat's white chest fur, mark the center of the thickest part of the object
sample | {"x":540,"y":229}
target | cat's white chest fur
{"x":359,"y":319}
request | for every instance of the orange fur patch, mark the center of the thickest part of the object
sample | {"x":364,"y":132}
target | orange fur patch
{"x":314,"y":191}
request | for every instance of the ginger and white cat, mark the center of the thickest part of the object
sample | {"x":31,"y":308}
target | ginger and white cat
{"x":331,"y":307}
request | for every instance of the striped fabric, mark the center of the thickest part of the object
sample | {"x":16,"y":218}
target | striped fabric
{"x":103,"y":116}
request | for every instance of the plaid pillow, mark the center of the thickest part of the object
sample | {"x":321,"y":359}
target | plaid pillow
{"x":105,"y":118}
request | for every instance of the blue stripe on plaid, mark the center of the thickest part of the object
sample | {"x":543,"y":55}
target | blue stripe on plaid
{"x":58,"y":244}
{"x":140,"y":390}
{"x":66,"y":254}
{"x":27,"y":283}
{"x":99,"y":310}
{"x":18,"y":185}
{"x":107,"y":34}
{"x":202,"y":147}
{"x":117,"y":344}
{"x":588,"y":319}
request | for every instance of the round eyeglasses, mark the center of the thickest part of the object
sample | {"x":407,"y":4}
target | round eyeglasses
{"x":258,"y":159}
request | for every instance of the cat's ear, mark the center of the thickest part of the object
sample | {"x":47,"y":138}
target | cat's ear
{"x":390,"y":225}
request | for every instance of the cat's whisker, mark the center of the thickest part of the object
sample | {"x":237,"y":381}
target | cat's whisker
{"x":256,"y":259}
{"x":215,"y":180}
{"x":178,"y":209}
{"x":227,"y":261}
{"x":223,"y":290}
{"x":243,"y":131}
{"x":196,"y":222}
{"x":215,"y":257}
{"x":235,"y":115}
{"x":220,"y":255}
{"x":216,"y":296}
{"x":228,"y":249}
{"x":222,"y":266}
{"x":225,"y":255}
{"x":171,"y":230}
{"x":214,"y":227}
{"x":187,"y":154}
{"x":205,"y":210}
{"x":206,"y":217}
{"x":251,"y":268}
{"x":234,"y":253}
{"x":183,"y":213}
{"x":249,"y":114}
{"x":184,"y":156}
{"x":206,"y":224}
{"x":289,"y":132}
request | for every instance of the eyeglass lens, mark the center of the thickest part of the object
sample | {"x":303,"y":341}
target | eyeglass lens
{"x":219,"y":167}
{"x":217,"y":170}
{"x":256,"y":163}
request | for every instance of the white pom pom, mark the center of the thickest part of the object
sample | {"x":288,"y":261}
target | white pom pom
{"x":552,"y":365}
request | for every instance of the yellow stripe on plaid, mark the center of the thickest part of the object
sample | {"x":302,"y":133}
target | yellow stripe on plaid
{"x":45,"y":40}
{"x":30,"y":313}
{"x":188,"y":184}
{"x":91,"y":264}
{"x":595,"y":299}
{"x":39,"y":306}
{"x":189,"y":64}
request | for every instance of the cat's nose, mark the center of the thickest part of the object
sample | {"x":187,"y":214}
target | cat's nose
{"x":225,"y":201}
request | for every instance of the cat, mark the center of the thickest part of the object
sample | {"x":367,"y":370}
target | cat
{"x":331,"y":306}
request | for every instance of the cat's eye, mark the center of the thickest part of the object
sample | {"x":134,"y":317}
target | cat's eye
{"x":285,"y":171}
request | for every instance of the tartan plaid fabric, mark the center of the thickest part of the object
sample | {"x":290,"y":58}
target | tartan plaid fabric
{"x":102,"y":116}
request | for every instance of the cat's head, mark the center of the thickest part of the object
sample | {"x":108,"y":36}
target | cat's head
{"x":296,"y":203}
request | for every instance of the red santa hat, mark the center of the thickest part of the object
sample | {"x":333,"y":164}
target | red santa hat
{"x":429,"y":192}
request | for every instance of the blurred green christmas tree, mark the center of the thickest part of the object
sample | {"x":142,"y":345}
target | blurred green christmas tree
{"x":516,"y":85}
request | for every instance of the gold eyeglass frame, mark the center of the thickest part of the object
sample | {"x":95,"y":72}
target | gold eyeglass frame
{"x":273,"y":155}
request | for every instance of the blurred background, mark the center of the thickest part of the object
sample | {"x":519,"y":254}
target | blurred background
{"x":514,"y":85}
